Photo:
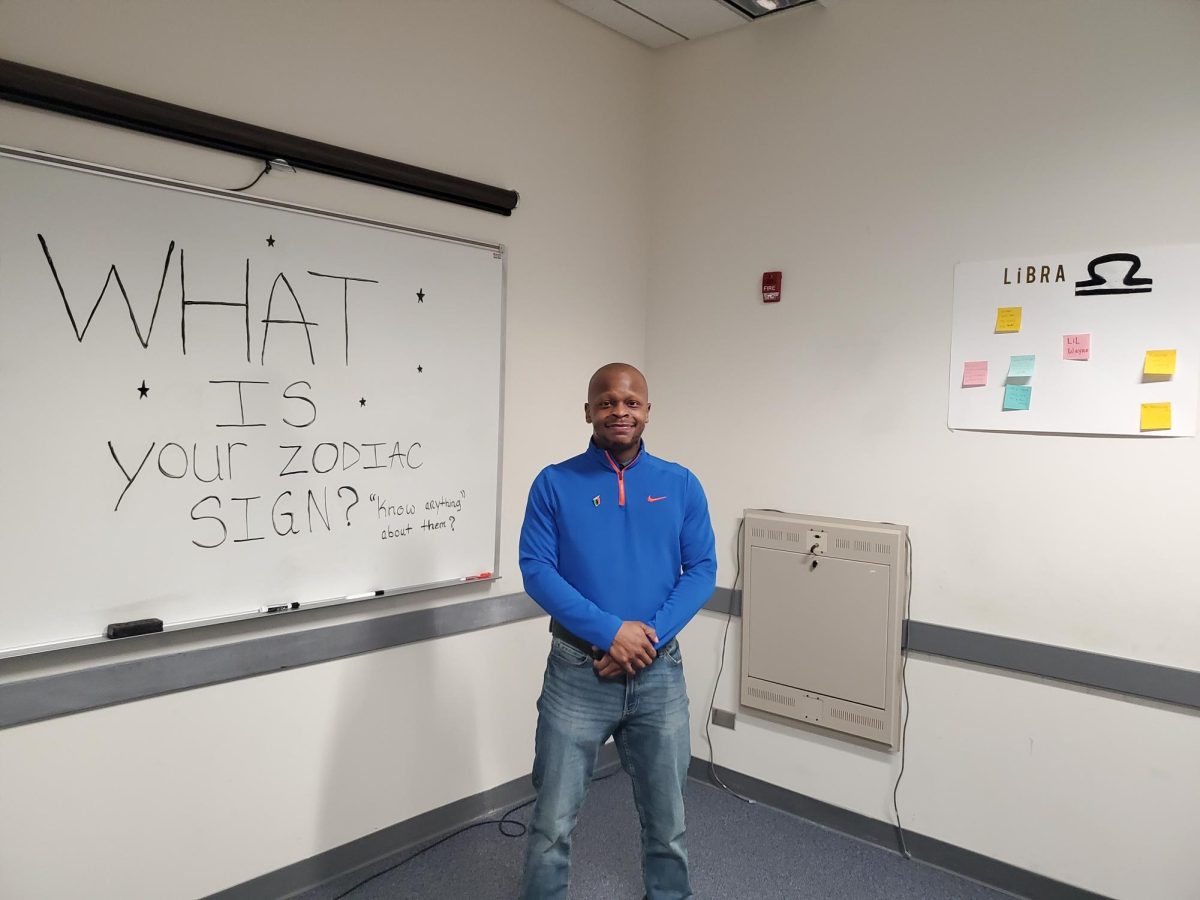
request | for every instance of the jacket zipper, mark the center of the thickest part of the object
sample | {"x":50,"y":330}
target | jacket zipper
{"x":620,"y":476}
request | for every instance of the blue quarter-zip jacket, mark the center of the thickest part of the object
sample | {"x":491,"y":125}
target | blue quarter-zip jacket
{"x":602,"y":545}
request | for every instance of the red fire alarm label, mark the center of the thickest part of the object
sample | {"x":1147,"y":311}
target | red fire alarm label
{"x":772,"y":287}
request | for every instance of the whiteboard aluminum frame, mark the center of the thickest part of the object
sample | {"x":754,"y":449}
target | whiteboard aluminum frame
{"x":498,"y":251}
{"x":66,"y":162}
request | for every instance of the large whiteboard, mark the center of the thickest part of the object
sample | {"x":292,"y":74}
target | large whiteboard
{"x":214,"y":404}
{"x":1124,"y":301}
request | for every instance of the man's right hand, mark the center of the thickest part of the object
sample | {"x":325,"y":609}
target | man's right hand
{"x":633,"y":647}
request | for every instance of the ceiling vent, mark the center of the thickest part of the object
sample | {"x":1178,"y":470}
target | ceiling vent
{"x":659,"y":23}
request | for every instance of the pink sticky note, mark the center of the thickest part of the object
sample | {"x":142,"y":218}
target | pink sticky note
{"x":1077,"y":346}
{"x":974,"y":374}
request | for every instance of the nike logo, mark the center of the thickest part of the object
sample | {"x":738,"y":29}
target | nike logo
{"x":654,"y":499}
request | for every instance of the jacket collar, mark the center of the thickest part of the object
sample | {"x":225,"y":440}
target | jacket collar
{"x":602,"y":457}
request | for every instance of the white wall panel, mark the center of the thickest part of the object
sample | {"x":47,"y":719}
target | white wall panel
{"x":864,"y":150}
{"x":258,"y":774}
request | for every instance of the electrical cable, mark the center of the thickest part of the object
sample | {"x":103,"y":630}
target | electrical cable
{"x":712,"y":766}
{"x":266,"y":169}
{"x":499,"y":823}
{"x":904,"y":685}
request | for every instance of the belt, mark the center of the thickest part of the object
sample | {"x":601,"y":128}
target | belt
{"x":584,"y":647}
{"x":577,"y":642}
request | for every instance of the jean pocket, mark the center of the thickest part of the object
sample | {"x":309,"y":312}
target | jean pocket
{"x":563,"y":652}
{"x":672,"y":653}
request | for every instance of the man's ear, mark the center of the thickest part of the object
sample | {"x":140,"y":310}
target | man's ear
{"x":587,"y":413}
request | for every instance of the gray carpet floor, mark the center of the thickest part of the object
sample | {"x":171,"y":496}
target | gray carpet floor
{"x":737,"y":852}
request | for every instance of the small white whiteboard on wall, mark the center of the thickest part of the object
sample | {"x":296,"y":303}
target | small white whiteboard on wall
{"x":1104,"y":342}
{"x":215,"y":404}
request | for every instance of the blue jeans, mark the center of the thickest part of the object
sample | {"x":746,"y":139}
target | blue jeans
{"x":577,"y":712}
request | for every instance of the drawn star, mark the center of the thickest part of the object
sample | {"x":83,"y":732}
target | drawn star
{"x":270,"y":240}
{"x":362,"y":401}
{"x":143,"y":390}
{"x":421,"y":295}
{"x":420,"y":369}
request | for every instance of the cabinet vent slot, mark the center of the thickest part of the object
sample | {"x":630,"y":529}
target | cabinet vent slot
{"x":856,"y":718}
{"x":772,"y":696}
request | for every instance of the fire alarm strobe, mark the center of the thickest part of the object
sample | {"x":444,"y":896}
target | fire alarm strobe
{"x":772,"y":287}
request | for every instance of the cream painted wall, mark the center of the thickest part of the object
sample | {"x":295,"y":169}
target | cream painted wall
{"x":887,"y":141}
{"x":212,"y":787}
{"x":864,"y":150}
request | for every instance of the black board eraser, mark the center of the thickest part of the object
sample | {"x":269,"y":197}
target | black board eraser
{"x":137,"y":626}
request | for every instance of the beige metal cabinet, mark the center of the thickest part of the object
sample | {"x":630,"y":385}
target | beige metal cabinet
{"x":822,"y":618}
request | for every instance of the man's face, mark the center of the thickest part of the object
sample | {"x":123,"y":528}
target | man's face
{"x":617,"y":410}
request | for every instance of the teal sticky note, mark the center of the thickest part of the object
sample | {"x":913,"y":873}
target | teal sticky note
{"x":1021,"y":367}
{"x":1016,"y":396}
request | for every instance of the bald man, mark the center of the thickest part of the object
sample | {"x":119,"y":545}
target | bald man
{"x":617,"y":546}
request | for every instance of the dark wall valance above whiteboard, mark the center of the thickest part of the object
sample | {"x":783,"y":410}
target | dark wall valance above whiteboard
{"x":216,"y":404}
{"x":75,"y":97}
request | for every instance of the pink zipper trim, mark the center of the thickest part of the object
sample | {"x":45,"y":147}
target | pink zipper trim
{"x":621,"y":475}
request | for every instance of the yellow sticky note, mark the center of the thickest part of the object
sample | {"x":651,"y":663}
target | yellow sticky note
{"x":1159,"y":362}
{"x":1008,"y":319}
{"x":1156,"y":416}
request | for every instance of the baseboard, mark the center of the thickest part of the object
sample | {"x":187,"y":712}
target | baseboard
{"x":931,"y":851}
{"x":395,"y":842}
{"x":398,"y":841}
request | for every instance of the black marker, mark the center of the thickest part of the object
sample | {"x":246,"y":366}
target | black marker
{"x":282,"y":607}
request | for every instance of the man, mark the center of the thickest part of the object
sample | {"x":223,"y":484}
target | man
{"x":617,"y":546}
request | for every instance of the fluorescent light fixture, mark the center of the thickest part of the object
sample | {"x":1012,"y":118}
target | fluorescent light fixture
{"x":755,"y":9}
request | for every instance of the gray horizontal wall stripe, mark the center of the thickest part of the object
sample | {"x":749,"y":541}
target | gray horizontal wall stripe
{"x":45,"y":697}
{"x":938,"y":853}
{"x":1111,"y":673}
{"x":56,"y":695}
{"x":722,"y":599}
